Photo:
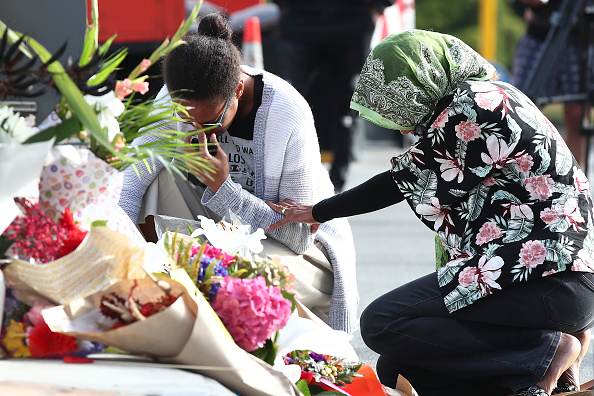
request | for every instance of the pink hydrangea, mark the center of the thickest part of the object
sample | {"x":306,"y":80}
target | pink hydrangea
{"x":468,"y":130}
{"x":540,"y":187}
{"x":532,"y":254}
{"x":467,"y":276}
{"x":251,"y":311}
{"x":488,"y":232}
{"x":441,"y":120}
{"x":549,"y":216}
{"x":524,"y":163}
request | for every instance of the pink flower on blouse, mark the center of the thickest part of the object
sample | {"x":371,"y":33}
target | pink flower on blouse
{"x":581,"y":181}
{"x":434,"y":212}
{"x":450,"y":167}
{"x":571,"y":211}
{"x":532,"y":254}
{"x":441,"y":120}
{"x":489,"y":272}
{"x":583,"y":262}
{"x":549,"y":216}
{"x":540,"y":187}
{"x":468,"y":131}
{"x":498,"y":152}
{"x":524,"y":163}
{"x":488,"y":232}
{"x":468,"y":276}
{"x":490,"y":97}
{"x":489,"y":181}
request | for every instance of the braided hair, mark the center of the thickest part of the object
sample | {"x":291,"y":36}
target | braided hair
{"x":208,"y":67}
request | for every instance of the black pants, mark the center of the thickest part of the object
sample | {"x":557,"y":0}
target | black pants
{"x":302,"y":61}
{"x":502,"y":342}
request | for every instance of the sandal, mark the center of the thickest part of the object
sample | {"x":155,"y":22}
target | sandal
{"x":563,"y":387}
{"x":533,"y":390}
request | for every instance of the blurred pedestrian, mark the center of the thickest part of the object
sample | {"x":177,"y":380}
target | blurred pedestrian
{"x":566,"y":71}
{"x":512,"y":309}
{"x":332,"y":36}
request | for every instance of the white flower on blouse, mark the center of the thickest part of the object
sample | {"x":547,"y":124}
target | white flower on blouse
{"x":499,"y":152}
{"x":490,"y":97}
{"x":451,"y":168}
{"x":434,"y":212}
{"x":108,"y":108}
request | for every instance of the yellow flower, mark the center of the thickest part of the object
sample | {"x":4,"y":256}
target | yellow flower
{"x":15,"y":340}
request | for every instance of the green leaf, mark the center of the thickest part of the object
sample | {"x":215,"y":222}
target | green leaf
{"x":267,"y":352}
{"x":108,"y":67}
{"x":303,"y":387}
{"x":91,"y":36}
{"x":63,"y":131}
{"x":99,"y":223}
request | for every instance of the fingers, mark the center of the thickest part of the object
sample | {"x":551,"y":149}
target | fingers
{"x":314,"y":227}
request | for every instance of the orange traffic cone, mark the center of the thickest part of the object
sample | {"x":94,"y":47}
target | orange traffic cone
{"x":252,"y":43}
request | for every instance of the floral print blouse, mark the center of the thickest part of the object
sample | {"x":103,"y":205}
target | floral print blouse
{"x":493,"y":177}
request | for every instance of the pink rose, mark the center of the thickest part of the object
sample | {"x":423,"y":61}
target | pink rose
{"x":441,"y":120}
{"x":549,"y":216}
{"x":539,"y":187}
{"x":468,"y":130}
{"x":488,"y":232}
{"x":532,"y":254}
{"x":524,"y":163}
{"x":467,"y":276}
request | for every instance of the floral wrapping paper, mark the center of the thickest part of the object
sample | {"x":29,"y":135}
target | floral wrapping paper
{"x":104,"y":257}
{"x":78,"y":179}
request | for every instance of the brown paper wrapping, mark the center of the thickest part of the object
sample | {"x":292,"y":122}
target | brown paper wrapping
{"x":187,"y":333}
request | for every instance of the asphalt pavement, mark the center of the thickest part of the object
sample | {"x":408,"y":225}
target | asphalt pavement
{"x":393,"y":247}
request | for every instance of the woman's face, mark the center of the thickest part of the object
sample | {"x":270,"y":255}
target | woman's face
{"x":216,"y":115}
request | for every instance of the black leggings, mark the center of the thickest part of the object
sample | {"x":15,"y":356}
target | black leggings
{"x":502,"y":342}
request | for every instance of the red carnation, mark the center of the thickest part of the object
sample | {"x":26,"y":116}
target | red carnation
{"x":44,"y":343}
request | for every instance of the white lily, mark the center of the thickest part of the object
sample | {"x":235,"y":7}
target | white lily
{"x":233,"y":238}
{"x":14,"y":127}
{"x":108,"y":108}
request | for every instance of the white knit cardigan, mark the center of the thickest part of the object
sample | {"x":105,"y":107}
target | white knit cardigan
{"x":287,"y":165}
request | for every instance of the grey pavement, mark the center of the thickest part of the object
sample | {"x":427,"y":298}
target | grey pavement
{"x":393,"y":246}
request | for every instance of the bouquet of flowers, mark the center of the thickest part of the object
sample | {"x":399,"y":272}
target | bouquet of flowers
{"x":253,"y":296}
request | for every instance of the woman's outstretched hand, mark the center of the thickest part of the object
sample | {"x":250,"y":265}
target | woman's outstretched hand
{"x":294,"y":213}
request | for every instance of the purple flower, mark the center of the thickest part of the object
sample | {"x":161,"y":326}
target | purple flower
{"x":317,"y":357}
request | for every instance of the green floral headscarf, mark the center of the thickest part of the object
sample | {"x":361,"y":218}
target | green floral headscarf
{"x":407,"y":73}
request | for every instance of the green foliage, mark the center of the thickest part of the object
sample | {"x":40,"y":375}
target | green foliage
{"x":462,"y":20}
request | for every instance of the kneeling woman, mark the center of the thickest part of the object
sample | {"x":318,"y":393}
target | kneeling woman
{"x":510,"y":311}
{"x":267,"y":149}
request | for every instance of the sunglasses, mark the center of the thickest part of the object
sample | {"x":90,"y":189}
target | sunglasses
{"x":219,"y":123}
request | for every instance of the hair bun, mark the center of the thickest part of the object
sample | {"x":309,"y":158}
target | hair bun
{"x":215,"y":25}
